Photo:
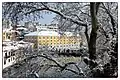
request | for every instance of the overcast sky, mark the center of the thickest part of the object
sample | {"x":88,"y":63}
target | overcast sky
{"x":47,"y":19}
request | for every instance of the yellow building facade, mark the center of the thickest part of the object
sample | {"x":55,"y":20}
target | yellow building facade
{"x":53,"y":40}
{"x":6,"y":36}
{"x":9,"y":35}
{"x":56,"y":40}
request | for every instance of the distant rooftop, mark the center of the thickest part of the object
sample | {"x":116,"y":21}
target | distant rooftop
{"x":14,"y":45}
{"x":21,"y":28}
{"x":48,"y":33}
{"x":43,"y":33}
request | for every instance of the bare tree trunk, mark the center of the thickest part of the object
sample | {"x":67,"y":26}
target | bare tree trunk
{"x":93,"y":35}
{"x":86,"y":34}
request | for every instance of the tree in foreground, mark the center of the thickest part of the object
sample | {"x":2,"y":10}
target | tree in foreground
{"x":97,"y":22}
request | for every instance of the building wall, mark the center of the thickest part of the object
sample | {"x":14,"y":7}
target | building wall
{"x":3,"y":36}
{"x":15,"y":53}
{"x":8,"y":58}
{"x":32,"y":39}
{"x":55,"y":42}
{"x":6,"y":36}
{"x":9,"y":36}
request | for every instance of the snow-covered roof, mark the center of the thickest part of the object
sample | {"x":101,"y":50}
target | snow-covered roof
{"x":21,"y":28}
{"x":19,"y":25}
{"x":32,"y":34}
{"x":12,"y":30}
{"x":48,"y":33}
{"x":9,"y":48}
{"x":9,"y":30}
{"x":9,"y":45}
{"x":43,"y":33}
{"x":6,"y":30}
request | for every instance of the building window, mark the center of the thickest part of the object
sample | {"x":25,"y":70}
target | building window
{"x":8,"y":37}
{"x":4,"y":62}
{"x":6,"y":54}
{"x":8,"y":60}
